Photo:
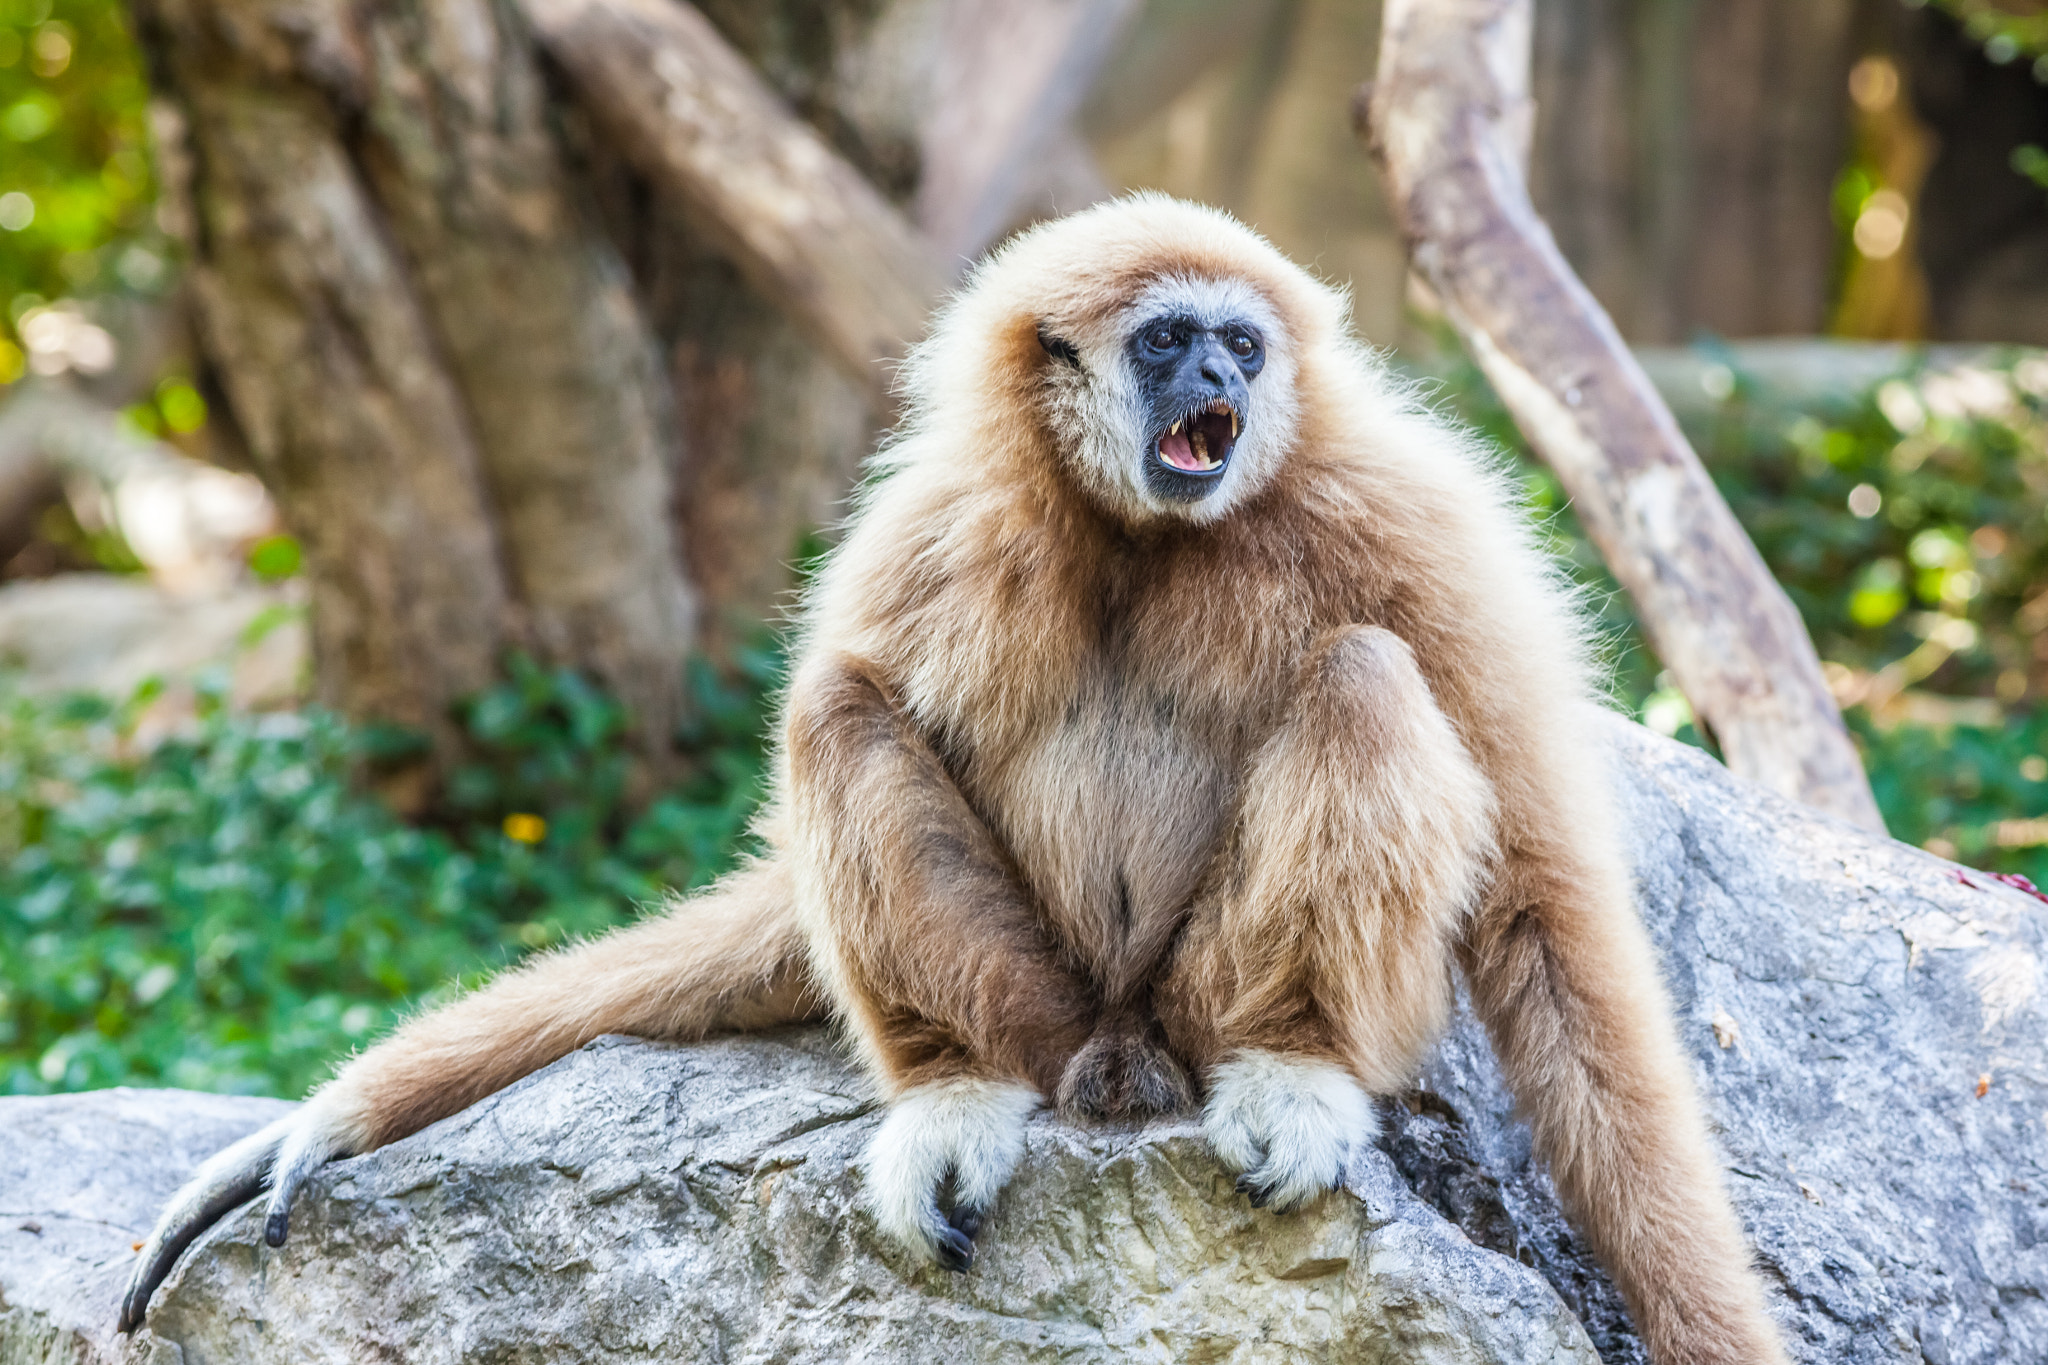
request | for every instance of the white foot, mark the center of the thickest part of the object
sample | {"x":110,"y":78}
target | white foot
{"x":1288,"y":1125}
{"x":964,"y":1133}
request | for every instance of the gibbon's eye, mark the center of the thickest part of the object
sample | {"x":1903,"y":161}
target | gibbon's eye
{"x":1242,"y":346}
{"x":1162,"y":337}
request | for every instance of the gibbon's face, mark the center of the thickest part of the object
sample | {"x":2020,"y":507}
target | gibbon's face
{"x":1189,"y":397}
{"x":1194,"y":379}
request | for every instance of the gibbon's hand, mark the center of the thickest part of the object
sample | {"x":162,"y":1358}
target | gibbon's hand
{"x":939,"y":1159}
{"x":279,"y":1158}
{"x":1288,"y":1125}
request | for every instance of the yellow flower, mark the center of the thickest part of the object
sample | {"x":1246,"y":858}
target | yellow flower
{"x":525,"y":829}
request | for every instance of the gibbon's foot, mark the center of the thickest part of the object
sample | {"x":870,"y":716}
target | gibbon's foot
{"x":1287,"y":1125}
{"x":939,"y":1159}
{"x":1124,"y":1069}
{"x":279,"y":1158}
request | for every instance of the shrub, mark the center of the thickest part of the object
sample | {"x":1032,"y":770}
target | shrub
{"x":233,"y":911}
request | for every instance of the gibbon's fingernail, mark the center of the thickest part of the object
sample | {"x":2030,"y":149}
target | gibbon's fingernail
{"x":275,"y":1227}
{"x":955,"y":1251}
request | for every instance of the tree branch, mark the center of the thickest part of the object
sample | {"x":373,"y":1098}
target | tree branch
{"x":1449,"y":118}
{"x":802,"y":225}
{"x":1010,"y":76}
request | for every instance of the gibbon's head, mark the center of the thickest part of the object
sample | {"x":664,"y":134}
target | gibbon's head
{"x":1151,"y":349}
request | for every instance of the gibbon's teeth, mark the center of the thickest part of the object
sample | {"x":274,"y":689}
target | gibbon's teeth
{"x":1233,"y":426}
{"x":1200,"y":443}
{"x":1173,"y":430}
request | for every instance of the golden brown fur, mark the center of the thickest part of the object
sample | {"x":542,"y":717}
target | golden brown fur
{"x":1091,"y":796}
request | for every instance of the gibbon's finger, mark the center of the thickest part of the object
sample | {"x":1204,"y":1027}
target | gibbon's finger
{"x":961,"y":1137}
{"x":1287,"y":1124}
{"x":317,"y":1137}
{"x":229,"y":1179}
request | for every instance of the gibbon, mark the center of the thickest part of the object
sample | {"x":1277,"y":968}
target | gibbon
{"x":1183,"y":700}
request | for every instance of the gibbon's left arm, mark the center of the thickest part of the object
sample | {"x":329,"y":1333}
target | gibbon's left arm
{"x":931,"y":950}
{"x":1561,"y":969}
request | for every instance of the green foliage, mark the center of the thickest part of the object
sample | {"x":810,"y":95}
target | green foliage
{"x":232,"y":911}
{"x":75,"y":184}
{"x":1909,"y":525}
{"x":2007,"y":34}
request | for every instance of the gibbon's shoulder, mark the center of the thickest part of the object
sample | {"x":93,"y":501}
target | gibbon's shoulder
{"x":927,"y":543}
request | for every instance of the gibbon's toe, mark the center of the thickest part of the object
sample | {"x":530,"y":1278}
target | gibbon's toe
{"x":229,"y":1179}
{"x":941,"y":1156}
{"x":1287,"y":1125}
{"x":279,"y":1158}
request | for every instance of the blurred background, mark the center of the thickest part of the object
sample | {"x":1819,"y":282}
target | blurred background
{"x":400,"y":492}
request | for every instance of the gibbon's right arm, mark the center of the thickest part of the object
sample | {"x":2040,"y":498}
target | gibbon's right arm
{"x":730,"y":957}
{"x":931,"y":951}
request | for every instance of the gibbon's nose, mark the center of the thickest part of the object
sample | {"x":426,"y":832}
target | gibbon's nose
{"x":1217,"y":366}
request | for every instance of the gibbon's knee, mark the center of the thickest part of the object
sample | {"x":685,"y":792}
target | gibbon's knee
{"x":1363,"y":838}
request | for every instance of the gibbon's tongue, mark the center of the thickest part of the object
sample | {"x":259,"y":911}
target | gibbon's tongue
{"x":1176,"y":450}
{"x":1199,"y":444}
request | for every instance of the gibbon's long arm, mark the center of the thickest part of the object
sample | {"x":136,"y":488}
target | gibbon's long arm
{"x":730,"y":957}
{"x":1566,"y":981}
{"x":1313,"y":967}
{"x":930,"y":941}
{"x":933,"y":953}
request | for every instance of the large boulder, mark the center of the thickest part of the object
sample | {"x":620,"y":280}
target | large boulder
{"x":1868,"y":1022}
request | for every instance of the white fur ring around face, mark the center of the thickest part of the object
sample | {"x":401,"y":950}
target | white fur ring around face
{"x":964,"y":1133}
{"x":1287,"y":1124}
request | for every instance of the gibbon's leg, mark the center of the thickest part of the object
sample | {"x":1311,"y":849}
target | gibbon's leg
{"x":730,"y":957}
{"x":1565,"y":978}
{"x":1315,"y":968}
{"x":932,"y":952}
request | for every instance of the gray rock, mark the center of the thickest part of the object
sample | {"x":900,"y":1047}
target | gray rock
{"x":639,"y":1202}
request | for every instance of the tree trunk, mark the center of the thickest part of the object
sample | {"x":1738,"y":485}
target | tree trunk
{"x":333,"y":372}
{"x":432,"y":355}
{"x":1450,"y":117}
{"x":495,"y":337}
{"x":1683,"y":155}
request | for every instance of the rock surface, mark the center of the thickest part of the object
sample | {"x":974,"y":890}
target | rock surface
{"x":1844,"y":1000}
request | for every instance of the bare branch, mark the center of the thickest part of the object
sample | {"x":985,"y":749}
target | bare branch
{"x":803,"y":226}
{"x":1011,"y":74}
{"x":1450,"y":117}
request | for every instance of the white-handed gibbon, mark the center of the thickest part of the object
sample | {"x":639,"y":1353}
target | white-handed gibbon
{"x":1182,"y":702}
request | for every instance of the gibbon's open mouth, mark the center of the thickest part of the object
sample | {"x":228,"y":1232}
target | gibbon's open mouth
{"x":1200,"y":443}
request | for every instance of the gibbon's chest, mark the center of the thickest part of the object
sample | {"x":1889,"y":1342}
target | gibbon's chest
{"x":1116,"y":792}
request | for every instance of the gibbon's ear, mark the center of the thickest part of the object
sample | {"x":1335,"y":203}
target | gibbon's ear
{"x":1058,"y":349}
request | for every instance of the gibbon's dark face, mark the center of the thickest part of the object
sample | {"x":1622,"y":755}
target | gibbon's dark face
{"x":1194,"y":383}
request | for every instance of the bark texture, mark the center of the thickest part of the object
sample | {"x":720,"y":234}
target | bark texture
{"x":805,"y":227}
{"x":1010,"y":76}
{"x":333,"y":373}
{"x":1451,"y":122}
{"x":430,"y":351}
